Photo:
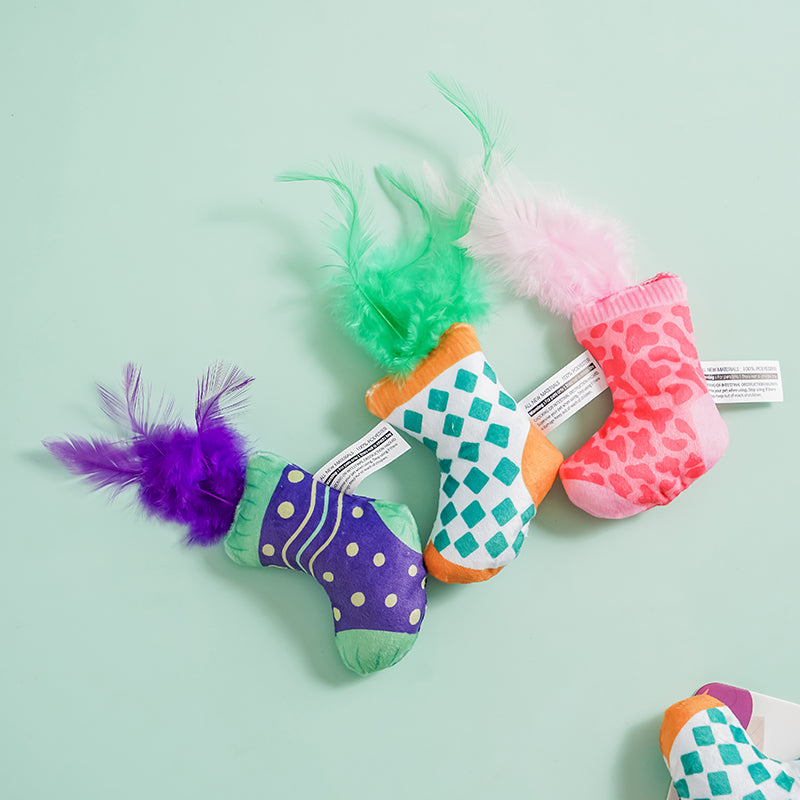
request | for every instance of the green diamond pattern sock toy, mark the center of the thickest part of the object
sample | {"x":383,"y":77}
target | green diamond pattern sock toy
{"x":495,"y":466}
{"x":709,"y":755}
{"x":411,"y":306}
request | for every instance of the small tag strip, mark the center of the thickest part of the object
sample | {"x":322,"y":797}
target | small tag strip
{"x":744,"y":381}
{"x":566,"y":392}
{"x":382,"y":445}
{"x":550,"y":404}
{"x":570,"y":389}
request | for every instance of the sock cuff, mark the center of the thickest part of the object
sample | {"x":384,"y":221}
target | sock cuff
{"x":664,"y":288}
{"x":263,"y":473}
{"x":457,"y":342}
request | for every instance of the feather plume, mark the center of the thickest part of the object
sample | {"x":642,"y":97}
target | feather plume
{"x":103,"y":463}
{"x":132,"y":410}
{"x":546,"y":248}
{"x":396,"y":300}
{"x":486,"y":120}
{"x":193,"y":476}
{"x":220,"y":394}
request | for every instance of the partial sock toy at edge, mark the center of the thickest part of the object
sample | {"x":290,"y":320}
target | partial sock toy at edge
{"x":709,"y":754}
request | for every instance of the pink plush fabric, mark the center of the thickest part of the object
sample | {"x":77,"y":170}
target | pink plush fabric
{"x":664,"y":431}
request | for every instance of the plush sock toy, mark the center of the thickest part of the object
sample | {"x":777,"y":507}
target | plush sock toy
{"x":410,"y":306}
{"x":664,"y":431}
{"x":495,"y":466}
{"x":364,"y":553}
{"x":709,"y":754}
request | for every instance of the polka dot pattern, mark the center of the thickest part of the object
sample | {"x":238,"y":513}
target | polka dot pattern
{"x":372,"y":577}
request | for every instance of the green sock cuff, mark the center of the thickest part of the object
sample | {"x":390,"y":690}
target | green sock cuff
{"x":263,"y":473}
{"x":365,"y":651}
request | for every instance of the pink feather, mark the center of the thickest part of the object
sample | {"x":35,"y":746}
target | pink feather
{"x":547,"y":248}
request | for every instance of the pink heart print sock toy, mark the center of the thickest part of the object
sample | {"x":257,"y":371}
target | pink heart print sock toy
{"x":664,"y":431}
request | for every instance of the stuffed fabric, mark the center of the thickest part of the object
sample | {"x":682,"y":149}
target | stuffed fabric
{"x":411,"y":306}
{"x":495,"y":466}
{"x":364,"y":553}
{"x":709,"y":754}
{"x":664,"y":431}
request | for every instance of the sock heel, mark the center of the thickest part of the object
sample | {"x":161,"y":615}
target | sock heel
{"x":712,"y":432}
{"x":541,"y":460}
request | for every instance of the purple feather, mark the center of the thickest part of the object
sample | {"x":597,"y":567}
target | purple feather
{"x":103,"y":463}
{"x":133,"y":411}
{"x":191,"y":476}
{"x":220,"y":393}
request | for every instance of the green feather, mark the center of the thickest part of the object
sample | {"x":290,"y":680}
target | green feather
{"x":397,"y":300}
{"x":485,"y":119}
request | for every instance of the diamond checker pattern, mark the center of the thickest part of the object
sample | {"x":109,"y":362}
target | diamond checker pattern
{"x":476,"y":430}
{"x":713,"y":757}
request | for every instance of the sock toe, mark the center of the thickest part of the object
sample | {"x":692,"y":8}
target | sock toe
{"x":678,"y":714}
{"x":446,"y":571}
{"x":599,"y":501}
{"x":365,"y":651}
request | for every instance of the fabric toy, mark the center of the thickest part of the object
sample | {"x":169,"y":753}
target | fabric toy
{"x":709,"y":754}
{"x":664,"y":431}
{"x":269,"y":512}
{"x":411,"y":306}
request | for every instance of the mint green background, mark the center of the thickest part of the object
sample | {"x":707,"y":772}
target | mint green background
{"x":140,"y":222}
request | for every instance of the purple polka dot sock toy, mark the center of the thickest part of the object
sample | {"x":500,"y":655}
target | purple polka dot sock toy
{"x":365,"y":553}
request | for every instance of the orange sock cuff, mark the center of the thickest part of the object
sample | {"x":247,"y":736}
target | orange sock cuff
{"x":678,"y":714}
{"x":457,"y":342}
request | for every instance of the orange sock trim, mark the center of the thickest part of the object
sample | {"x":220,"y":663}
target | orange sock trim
{"x":457,"y":342}
{"x":448,"y":572}
{"x":541,"y":460}
{"x":677,"y":715}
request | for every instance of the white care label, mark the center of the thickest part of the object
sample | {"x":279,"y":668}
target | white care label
{"x":382,"y":445}
{"x":570,"y":389}
{"x":566,"y":392}
{"x":744,"y":381}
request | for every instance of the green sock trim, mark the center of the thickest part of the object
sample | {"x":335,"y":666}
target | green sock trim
{"x":399,"y":521}
{"x":365,"y":651}
{"x":263,"y":473}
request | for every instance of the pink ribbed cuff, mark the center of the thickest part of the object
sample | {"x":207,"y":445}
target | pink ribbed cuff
{"x":664,"y":288}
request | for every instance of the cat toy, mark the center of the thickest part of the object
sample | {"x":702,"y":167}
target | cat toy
{"x":412,"y":305}
{"x":267,"y":511}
